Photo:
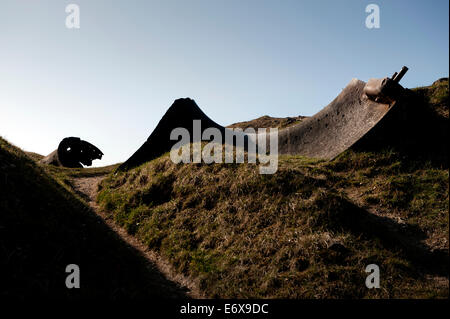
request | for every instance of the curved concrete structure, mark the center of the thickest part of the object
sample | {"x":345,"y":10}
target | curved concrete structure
{"x":336,"y":127}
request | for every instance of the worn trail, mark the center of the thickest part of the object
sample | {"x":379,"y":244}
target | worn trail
{"x":87,"y":188}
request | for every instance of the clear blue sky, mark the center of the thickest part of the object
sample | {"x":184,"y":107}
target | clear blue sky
{"x":110,"y":81}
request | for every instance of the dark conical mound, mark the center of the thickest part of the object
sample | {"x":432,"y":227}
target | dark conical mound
{"x":180,"y":114}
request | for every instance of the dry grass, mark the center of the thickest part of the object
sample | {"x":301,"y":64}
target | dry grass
{"x":269,"y":122}
{"x":436,"y":95}
{"x":307,"y":231}
{"x":294,"y":234}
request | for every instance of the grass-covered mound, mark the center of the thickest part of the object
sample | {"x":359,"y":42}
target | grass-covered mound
{"x":44,"y":227}
{"x":307,"y":231}
{"x":436,"y":96}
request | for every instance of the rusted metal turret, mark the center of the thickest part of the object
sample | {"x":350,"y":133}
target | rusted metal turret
{"x":387,"y":89}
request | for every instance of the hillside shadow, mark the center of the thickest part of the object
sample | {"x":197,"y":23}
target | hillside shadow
{"x":44,"y":228}
{"x":413,"y":129}
{"x":404,"y":238}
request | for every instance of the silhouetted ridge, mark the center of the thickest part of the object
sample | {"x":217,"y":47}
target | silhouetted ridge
{"x":182,"y":113}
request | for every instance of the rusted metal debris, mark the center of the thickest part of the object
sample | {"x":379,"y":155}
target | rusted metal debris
{"x":73,"y":152}
{"x":387,"y":89}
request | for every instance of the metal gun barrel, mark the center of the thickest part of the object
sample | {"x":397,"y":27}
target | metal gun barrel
{"x":399,"y":76}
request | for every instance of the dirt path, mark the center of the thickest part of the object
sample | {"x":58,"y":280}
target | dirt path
{"x":87,"y":188}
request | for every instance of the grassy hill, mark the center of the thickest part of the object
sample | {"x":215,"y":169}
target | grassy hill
{"x":436,"y":96}
{"x":44,"y":227}
{"x":307,"y":231}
